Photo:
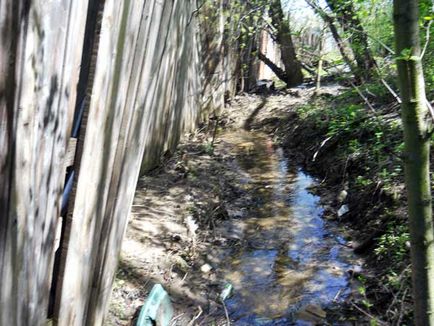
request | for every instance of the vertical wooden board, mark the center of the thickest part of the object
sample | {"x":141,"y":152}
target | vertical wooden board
{"x":9,"y":21}
{"x":130,"y":111}
{"x":185,"y":100}
{"x":97,"y":159}
{"x":42,"y":55}
{"x":164,"y":93}
{"x":151,"y":86}
{"x":116,"y":222}
{"x":178,"y":42}
{"x":158,"y":101}
{"x":84,"y":290}
{"x":125,"y":173}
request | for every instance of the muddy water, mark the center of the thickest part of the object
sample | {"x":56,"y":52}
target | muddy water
{"x":290,"y":262}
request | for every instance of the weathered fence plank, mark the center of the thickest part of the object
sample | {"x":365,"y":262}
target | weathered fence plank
{"x":40,"y":55}
{"x":132,"y":102}
{"x":70,"y":153}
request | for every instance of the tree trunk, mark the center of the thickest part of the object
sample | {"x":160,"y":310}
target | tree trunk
{"x":320,"y":61}
{"x":338,"y":39}
{"x":347,"y":17}
{"x":417,"y":148}
{"x":294,"y":75}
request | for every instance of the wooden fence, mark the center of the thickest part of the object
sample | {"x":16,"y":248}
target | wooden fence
{"x":144,"y":89}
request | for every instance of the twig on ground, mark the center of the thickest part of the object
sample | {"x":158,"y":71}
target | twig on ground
{"x":191,"y":323}
{"x":321,"y":146}
{"x":367,"y":314}
{"x":174,"y":319}
{"x":226,"y":313}
{"x":337,"y":295}
{"x":363,"y":97}
{"x":345,"y":169}
{"x":402,"y":307}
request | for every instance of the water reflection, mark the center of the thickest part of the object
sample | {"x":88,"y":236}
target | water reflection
{"x":289,"y":259}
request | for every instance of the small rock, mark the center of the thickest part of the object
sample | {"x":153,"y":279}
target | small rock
{"x":355,"y":271}
{"x":176,"y":237}
{"x":342,"y":196}
{"x":181,"y":264}
{"x":206,"y":268}
{"x":312,"y":313}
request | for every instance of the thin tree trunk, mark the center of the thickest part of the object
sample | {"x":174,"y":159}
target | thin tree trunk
{"x":334,"y":31}
{"x":294,"y":75}
{"x":417,"y":149}
{"x":347,"y":17}
{"x":320,"y":62}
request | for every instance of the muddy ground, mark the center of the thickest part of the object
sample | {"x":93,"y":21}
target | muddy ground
{"x":176,"y":230}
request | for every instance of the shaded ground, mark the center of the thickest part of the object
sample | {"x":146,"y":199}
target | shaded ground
{"x":179,"y":229}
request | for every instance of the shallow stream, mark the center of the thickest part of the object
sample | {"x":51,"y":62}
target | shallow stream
{"x":290,"y":264}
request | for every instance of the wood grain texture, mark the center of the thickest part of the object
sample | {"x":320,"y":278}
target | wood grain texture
{"x":39,"y":64}
{"x":84,"y":291}
{"x":70,"y":153}
{"x":145,"y":94}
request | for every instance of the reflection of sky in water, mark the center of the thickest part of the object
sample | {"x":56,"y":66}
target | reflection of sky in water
{"x":291,"y":259}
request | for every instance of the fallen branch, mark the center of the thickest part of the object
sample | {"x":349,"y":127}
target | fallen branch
{"x":363,"y":97}
{"x":174,"y":319}
{"x":226,"y":313}
{"x":425,"y":47}
{"x":321,"y":146}
{"x":191,"y":323}
{"x":367,"y":314}
{"x":280,"y":73}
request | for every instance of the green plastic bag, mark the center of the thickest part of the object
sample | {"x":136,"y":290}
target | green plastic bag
{"x":157,"y":309}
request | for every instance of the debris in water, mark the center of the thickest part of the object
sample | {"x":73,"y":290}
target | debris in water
{"x":343,"y":210}
{"x":227,"y":292}
{"x":355,"y":270}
